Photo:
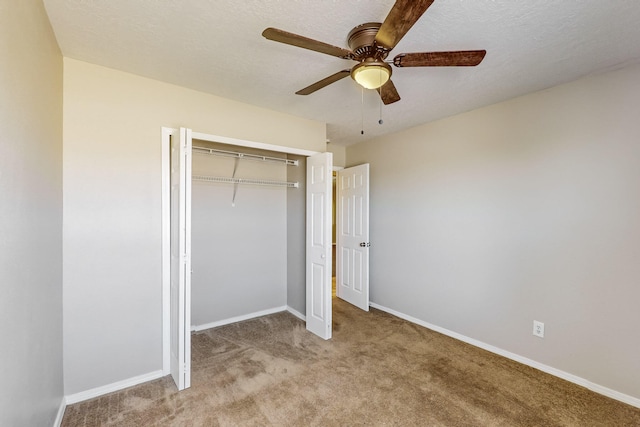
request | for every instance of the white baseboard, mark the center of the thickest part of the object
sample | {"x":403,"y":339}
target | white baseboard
{"x":198,"y":328}
{"x":297,"y":314}
{"x":99,"y":391}
{"x":625,"y":398}
{"x":109,"y":388}
{"x":63,"y":406}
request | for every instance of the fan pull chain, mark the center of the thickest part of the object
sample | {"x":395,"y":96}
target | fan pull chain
{"x":362,"y":112}
{"x":380,"y":121}
{"x":380,"y":97}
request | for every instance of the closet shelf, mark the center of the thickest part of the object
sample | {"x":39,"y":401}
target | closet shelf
{"x":236,"y":155}
{"x":249,"y":181}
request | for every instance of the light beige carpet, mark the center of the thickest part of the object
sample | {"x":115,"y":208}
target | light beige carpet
{"x":377,"y":370}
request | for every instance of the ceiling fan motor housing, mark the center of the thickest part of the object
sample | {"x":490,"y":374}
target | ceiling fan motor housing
{"x":361,"y":40}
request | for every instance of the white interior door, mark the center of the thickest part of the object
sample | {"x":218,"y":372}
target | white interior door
{"x":180,"y":323}
{"x":352,"y":235}
{"x":318,"y":263}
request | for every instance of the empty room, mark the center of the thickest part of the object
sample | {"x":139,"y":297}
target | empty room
{"x":302,"y":213}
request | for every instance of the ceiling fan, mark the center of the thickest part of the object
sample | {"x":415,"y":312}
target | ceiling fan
{"x":370,"y":45}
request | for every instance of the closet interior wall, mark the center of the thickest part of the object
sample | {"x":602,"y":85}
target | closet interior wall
{"x":296,"y":236}
{"x":239,"y":247}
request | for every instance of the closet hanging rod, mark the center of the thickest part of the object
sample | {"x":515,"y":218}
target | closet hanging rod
{"x":236,"y":155}
{"x":250,"y":181}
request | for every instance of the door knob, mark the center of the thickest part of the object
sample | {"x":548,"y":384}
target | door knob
{"x":365,"y":245}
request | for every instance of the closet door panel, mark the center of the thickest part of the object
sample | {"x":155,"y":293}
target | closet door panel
{"x":352,"y":272}
{"x":319,"y":247}
{"x":180,"y":287}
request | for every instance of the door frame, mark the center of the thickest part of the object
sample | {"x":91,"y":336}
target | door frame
{"x":166,"y":133}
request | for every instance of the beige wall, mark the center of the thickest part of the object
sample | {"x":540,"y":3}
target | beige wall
{"x":339,"y":154}
{"x":528,"y":209}
{"x":112,"y":221}
{"x":30,"y":217}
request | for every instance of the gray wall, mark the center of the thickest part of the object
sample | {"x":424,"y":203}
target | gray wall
{"x":527,"y":209}
{"x":239,"y":253}
{"x":30,"y":217}
{"x":296,"y":236}
{"x":244,"y":255}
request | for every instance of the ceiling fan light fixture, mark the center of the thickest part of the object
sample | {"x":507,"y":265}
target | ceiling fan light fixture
{"x":371,"y":74}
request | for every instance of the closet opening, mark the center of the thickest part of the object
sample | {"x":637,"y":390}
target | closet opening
{"x":243,"y":236}
{"x":249,"y":224}
{"x":247,"y":227}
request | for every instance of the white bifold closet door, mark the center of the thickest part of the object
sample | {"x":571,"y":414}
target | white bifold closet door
{"x":180,"y":323}
{"x":319,"y":245}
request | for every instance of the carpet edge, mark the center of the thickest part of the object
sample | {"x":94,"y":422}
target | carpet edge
{"x":597,"y":388}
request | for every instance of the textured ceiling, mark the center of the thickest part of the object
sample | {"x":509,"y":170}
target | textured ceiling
{"x":216,"y":46}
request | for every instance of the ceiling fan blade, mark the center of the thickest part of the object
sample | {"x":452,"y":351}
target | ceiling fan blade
{"x":388,"y":93}
{"x":306,"y":43}
{"x":463,"y":58}
{"x":400,"y":19}
{"x":324,"y":82}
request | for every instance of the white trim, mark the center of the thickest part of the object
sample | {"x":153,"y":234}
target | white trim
{"x":297,"y":314}
{"x":63,"y":405}
{"x":625,"y":398}
{"x":166,"y":248}
{"x":251,"y":144}
{"x":110,"y":388}
{"x":198,"y":328}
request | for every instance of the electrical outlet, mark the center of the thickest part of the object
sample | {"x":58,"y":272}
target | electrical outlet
{"x":538,"y":329}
